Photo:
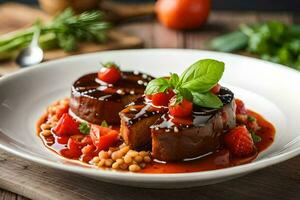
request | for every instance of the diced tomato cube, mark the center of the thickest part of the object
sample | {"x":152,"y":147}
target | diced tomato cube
{"x":62,"y":110}
{"x":62,"y":140}
{"x":108,"y":140}
{"x":240,"y":107}
{"x":75,"y":143}
{"x":70,"y":154}
{"x":87,"y":140}
{"x":103,"y":137}
{"x":162,"y":98}
{"x":96,"y":131}
{"x":66,"y":126}
{"x":239,"y":141}
{"x":182,"y":109}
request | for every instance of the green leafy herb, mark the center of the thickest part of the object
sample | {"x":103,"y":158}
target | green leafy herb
{"x":194,"y":84}
{"x":185,"y":93}
{"x":207,"y":100}
{"x":65,"y":31}
{"x":273,"y":41}
{"x":84,"y":128}
{"x":250,"y":118}
{"x":71,"y":28}
{"x":182,"y":93}
{"x":230,"y":42}
{"x":157,"y":85}
{"x":104,"y":124}
{"x":255,"y":137}
{"x":174,"y":80}
{"x":202,"y":75}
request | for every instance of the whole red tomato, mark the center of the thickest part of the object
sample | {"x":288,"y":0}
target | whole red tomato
{"x":182,"y":14}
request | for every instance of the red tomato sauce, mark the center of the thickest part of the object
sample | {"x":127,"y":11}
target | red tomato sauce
{"x":216,"y":160}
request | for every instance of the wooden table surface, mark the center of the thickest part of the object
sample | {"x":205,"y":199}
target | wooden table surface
{"x":281,"y":181}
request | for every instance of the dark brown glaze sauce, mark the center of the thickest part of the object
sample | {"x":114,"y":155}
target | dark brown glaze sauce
{"x":219,"y":159}
{"x":131,"y":83}
{"x":142,"y":108}
{"x":90,"y":97}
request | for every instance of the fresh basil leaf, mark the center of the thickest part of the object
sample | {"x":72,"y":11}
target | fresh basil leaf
{"x":177,"y":100}
{"x":255,"y":137}
{"x":104,"y":124}
{"x":207,"y":100}
{"x":163,"y":88}
{"x":174,"y":80}
{"x":157,"y":85}
{"x":202,"y":75}
{"x":185,"y":93}
{"x":84,"y":128}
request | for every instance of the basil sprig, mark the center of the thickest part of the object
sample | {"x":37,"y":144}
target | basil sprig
{"x":193,"y":84}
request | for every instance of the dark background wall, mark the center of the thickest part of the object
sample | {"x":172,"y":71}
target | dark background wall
{"x":283,"y":5}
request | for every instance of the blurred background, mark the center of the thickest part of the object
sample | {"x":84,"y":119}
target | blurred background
{"x":291,"y":5}
{"x":266,"y":29}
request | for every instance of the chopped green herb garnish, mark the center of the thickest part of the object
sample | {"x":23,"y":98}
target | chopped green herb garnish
{"x":84,"y":128}
{"x":194,"y":84}
{"x":255,"y":137}
{"x":104,"y":123}
{"x":250,"y":118}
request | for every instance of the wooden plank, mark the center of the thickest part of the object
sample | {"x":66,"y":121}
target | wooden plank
{"x":261,"y":5}
{"x":8,"y":67}
{"x":26,"y":178}
{"x":118,"y":11}
{"x":14,"y":16}
{"x":143,"y":30}
{"x":154,"y":34}
{"x":280,"y":16}
{"x":117,"y":40}
{"x":296,"y":18}
{"x":5,"y":195}
{"x":219,"y":23}
{"x":166,"y":38}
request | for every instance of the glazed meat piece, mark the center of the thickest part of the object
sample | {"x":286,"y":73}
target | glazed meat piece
{"x":94,"y":101}
{"x":136,"y":120}
{"x":172,"y":141}
{"x":181,"y":142}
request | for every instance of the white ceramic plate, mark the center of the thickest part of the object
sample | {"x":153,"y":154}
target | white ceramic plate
{"x":270,"y":89}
